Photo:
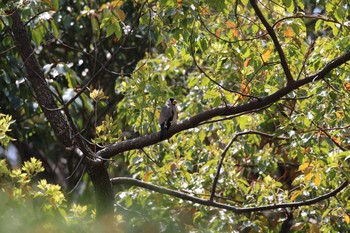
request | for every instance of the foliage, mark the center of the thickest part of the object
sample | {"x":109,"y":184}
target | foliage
{"x":27,"y":203}
{"x":5,"y":123}
{"x":112,"y":64}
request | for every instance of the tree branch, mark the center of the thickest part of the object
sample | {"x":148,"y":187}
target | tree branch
{"x":36,"y":77}
{"x":273,"y":36}
{"x":216,"y":178}
{"x":59,"y":121}
{"x":147,"y":140}
{"x":206,"y":202}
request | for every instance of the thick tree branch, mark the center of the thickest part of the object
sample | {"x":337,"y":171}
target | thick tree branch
{"x":147,"y":140}
{"x":183,"y":196}
{"x":273,"y":36}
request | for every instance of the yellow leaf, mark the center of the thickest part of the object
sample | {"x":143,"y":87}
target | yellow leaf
{"x":339,"y":114}
{"x":266,"y":55}
{"x":204,"y":10}
{"x":147,"y":176}
{"x":245,"y":88}
{"x":303,"y":166}
{"x":116,"y":3}
{"x":279,"y":24}
{"x":233,"y":33}
{"x":346,"y":218}
{"x":179,"y":3}
{"x":295,"y":195}
{"x":317,"y":180}
{"x":288,"y":32}
{"x":308,"y":177}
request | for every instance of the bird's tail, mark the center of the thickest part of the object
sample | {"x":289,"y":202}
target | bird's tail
{"x":162,"y":129}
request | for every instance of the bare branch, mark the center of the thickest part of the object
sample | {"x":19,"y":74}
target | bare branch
{"x":206,"y":202}
{"x":273,"y":36}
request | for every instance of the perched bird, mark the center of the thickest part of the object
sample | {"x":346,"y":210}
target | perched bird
{"x":168,"y":115}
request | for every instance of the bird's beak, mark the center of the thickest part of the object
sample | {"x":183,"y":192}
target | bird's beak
{"x":174,"y":102}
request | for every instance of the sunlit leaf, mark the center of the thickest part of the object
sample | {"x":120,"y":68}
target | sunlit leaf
{"x":303,"y":166}
{"x":288,"y":32}
{"x":266,"y":55}
{"x":247,"y":62}
{"x":317,"y":180}
{"x":295,"y":195}
{"x":346,"y":218}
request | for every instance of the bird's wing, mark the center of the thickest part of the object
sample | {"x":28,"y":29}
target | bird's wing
{"x":174,"y":112}
{"x":165,"y":114}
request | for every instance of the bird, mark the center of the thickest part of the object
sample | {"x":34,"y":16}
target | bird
{"x":168,"y":115}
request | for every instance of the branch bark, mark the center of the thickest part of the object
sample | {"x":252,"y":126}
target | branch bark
{"x":231,"y":110}
{"x":206,"y":202}
{"x":273,"y":36}
{"x":36,"y":78}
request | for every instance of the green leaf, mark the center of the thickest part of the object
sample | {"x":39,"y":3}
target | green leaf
{"x":339,"y":14}
{"x":301,"y":5}
{"x":37,"y":34}
{"x":54,"y":28}
{"x":56,"y":4}
{"x":245,"y":2}
{"x":170,"y":51}
{"x":95,"y":27}
{"x":114,"y":29}
{"x":289,"y":5}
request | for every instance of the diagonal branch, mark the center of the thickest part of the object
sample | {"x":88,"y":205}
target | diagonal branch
{"x":36,"y":78}
{"x":229,"y":110}
{"x":273,"y":36}
{"x":206,"y":202}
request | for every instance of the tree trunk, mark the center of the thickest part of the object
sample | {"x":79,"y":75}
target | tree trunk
{"x":97,"y":171}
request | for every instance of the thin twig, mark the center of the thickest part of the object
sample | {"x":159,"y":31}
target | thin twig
{"x":216,"y":178}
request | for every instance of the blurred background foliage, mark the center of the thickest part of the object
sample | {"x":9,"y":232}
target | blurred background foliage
{"x":205,"y":54}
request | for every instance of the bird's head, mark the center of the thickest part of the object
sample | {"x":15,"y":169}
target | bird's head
{"x":172,"y":101}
